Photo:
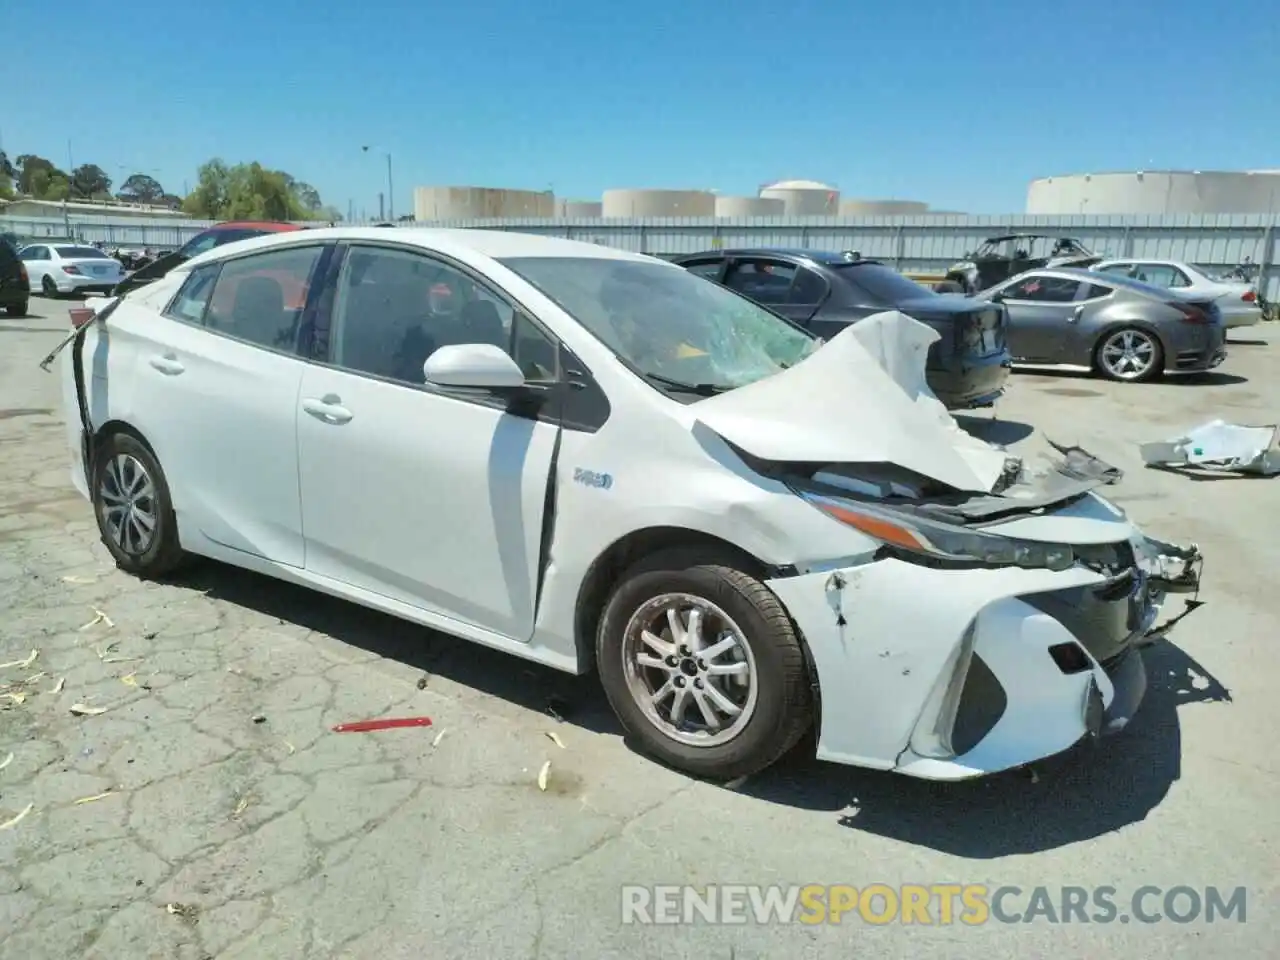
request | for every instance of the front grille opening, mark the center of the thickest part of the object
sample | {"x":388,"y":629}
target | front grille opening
{"x":1070,"y":658}
{"x":982,"y":703}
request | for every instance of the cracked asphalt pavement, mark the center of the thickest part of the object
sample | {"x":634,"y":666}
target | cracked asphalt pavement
{"x":197,"y":804}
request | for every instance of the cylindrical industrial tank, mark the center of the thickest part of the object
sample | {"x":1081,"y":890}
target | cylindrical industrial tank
{"x":1156,"y":192}
{"x":479,"y":203}
{"x":749,"y":207}
{"x":882,"y":208}
{"x":658,"y":203}
{"x":804,"y":198}
{"x":580,"y":209}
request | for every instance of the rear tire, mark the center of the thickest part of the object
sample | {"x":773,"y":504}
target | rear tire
{"x":48,"y":287}
{"x":1129,"y":355}
{"x":17,"y":309}
{"x":756,"y":687}
{"x":133,"y":508}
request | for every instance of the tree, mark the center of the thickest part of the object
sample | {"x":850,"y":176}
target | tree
{"x":36,"y":175}
{"x":141,"y":188}
{"x":249,"y":191}
{"x":90,"y":180}
{"x":7,"y":175}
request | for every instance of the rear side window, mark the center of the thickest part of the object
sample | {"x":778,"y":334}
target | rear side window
{"x":80,"y":253}
{"x":193,"y":298}
{"x":707,"y":269}
{"x":260,"y":298}
{"x":204,"y":242}
{"x":1097,"y":291}
{"x":764,"y":281}
{"x":809,"y":288}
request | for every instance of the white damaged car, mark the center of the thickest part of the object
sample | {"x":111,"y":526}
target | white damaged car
{"x":599,"y":461}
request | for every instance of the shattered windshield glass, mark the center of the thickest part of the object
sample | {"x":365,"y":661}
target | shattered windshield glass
{"x":675,"y":328}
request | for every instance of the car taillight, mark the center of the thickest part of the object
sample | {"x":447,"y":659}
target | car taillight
{"x":71,"y":268}
{"x":80,"y":316}
{"x":1249,"y":296}
{"x":22,"y":272}
{"x":1192,"y":314}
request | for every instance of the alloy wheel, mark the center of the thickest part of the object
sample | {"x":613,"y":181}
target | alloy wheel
{"x":690,"y":669}
{"x":127,"y":501}
{"x":1128,"y":354}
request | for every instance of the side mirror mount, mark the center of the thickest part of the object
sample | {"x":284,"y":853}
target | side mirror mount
{"x":477,"y":365}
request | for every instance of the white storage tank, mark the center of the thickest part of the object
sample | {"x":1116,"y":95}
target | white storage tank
{"x":750,"y":207}
{"x":882,"y":208}
{"x":804,"y":198}
{"x":658,"y":203}
{"x":579,"y":209}
{"x":1157,"y":192}
{"x":480,"y":203}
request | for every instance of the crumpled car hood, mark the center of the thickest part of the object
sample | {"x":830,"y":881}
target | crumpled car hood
{"x":861,"y":398}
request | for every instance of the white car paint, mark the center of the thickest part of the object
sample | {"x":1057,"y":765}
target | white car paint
{"x":69,"y":268}
{"x":1236,"y":299}
{"x":432,"y":508}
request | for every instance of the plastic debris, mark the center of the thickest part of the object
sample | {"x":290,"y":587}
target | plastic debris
{"x":33,"y":678}
{"x":79,"y":580}
{"x":14,"y":821}
{"x":289,"y":746}
{"x":26,"y":661}
{"x":83,"y":710}
{"x":98,"y":617}
{"x":551,"y":735}
{"x":18,"y":698}
{"x":241,"y":806}
{"x":1219,"y":446}
{"x":389,"y":723}
{"x":57,"y":687}
{"x":95,"y":797}
{"x":543,"y":774}
{"x":188,"y":912}
{"x":439,"y":737}
{"x":7,"y":760}
{"x":258,"y":718}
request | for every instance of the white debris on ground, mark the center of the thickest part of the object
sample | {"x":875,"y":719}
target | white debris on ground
{"x":1220,"y":446}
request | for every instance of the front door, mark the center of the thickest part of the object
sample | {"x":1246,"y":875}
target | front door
{"x":1041,"y":310}
{"x":430,"y":496}
{"x":215,"y":390}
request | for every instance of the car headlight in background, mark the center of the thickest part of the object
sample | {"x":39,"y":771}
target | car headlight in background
{"x":925,"y":541}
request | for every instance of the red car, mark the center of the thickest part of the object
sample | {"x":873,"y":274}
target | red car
{"x":215,"y":236}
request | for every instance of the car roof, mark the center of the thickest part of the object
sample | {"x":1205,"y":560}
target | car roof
{"x":1154,"y":261}
{"x":828,"y":257}
{"x":268,"y":226}
{"x":495,"y":244}
{"x":1108,"y":280}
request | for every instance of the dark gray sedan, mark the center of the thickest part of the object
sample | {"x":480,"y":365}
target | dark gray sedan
{"x":825,"y":292}
{"x":1120,"y":328}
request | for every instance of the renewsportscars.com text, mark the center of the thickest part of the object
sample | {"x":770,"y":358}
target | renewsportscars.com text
{"x":938,"y":904}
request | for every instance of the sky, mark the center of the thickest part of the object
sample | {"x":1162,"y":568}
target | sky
{"x":959,"y":103}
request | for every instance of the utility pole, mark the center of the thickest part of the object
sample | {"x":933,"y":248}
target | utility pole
{"x":391,"y":204}
{"x":381,"y":208}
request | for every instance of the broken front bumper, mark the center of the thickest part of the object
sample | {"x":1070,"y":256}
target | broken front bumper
{"x":947,"y":674}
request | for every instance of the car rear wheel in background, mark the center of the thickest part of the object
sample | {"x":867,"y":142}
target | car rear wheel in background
{"x":48,"y":287}
{"x":1129,"y":354}
{"x":17,"y":309}
{"x":133,"y":508}
{"x":703,"y":666}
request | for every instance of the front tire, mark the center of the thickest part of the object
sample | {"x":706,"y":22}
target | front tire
{"x":48,"y":287}
{"x":134,"y":510}
{"x":702,"y":665}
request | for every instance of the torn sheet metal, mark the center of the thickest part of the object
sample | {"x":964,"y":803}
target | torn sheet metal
{"x":1221,"y":446}
{"x":862,"y":398}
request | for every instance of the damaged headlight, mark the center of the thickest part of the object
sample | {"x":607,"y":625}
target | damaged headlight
{"x":921,"y":540}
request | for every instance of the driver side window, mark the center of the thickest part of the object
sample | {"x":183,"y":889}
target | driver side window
{"x":1038,"y":289}
{"x":394,"y":309}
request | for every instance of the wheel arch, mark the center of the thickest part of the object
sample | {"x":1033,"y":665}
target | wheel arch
{"x":1146,"y":326}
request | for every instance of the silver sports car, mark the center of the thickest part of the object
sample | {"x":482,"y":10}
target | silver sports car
{"x":1115,"y":326}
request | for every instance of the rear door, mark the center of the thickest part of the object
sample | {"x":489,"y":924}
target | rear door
{"x":216,"y":392}
{"x":1041,"y":312}
{"x":709,"y":268}
{"x":790,"y":289}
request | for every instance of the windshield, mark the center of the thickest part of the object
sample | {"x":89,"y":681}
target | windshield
{"x":81,"y":253}
{"x":883,"y":283}
{"x":669,"y":325}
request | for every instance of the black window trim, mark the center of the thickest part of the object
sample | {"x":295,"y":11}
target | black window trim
{"x":1004,"y":291}
{"x":314,"y":286}
{"x":572,"y":375}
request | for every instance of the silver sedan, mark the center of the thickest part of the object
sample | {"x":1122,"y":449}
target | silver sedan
{"x":1112,"y":325}
{"x":1237,"y":299}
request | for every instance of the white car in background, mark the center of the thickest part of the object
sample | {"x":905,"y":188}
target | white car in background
{"x":1237,"y":300}
{"x":600,"y":461}
{"x":58,"y":268}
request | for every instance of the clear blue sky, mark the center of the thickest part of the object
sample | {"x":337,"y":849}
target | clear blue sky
{"x":956,"y":103}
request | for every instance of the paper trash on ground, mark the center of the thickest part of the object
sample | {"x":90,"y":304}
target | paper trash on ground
{"x":1218,"y":445}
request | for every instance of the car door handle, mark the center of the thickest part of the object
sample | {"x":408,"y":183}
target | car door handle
{"x":328,"y":409}
{"x":168,"y":364}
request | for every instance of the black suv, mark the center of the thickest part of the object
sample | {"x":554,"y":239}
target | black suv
{"x":825,"y":292}
{"x":15,"y":288}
